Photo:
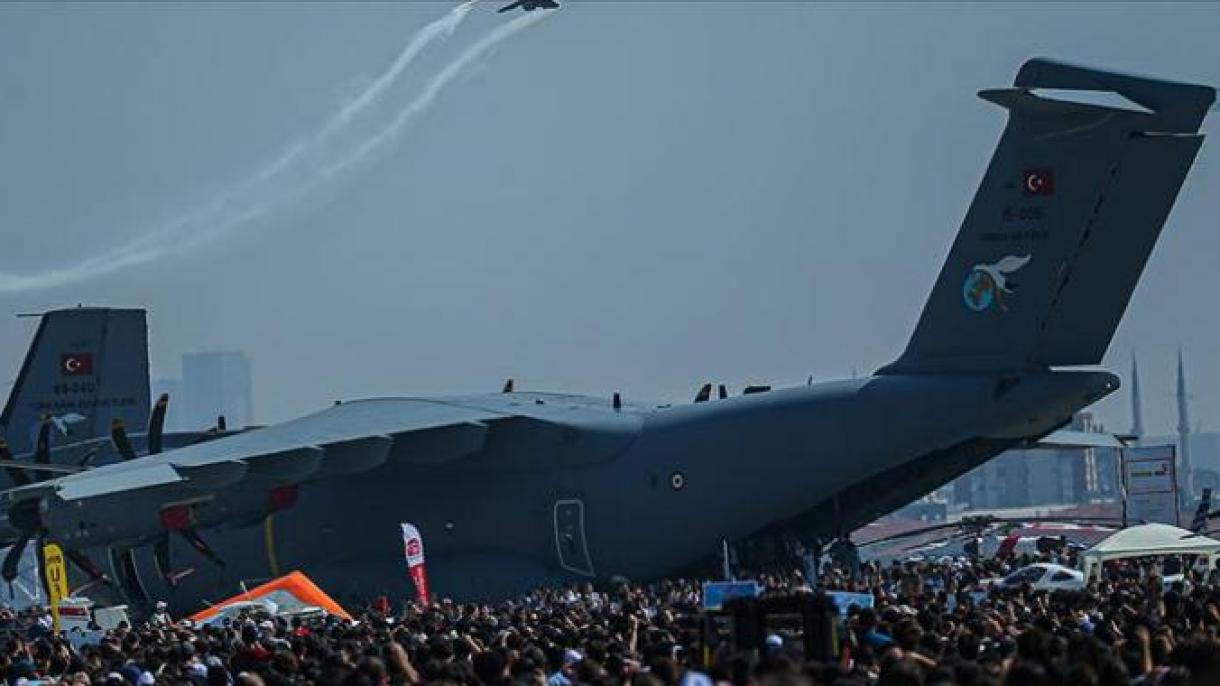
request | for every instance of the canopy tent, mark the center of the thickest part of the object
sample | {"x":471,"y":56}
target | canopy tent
{"x":1148,"y":540}
{"x":288,"y":594}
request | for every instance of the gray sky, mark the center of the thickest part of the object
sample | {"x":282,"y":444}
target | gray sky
{"x":633,"y":196}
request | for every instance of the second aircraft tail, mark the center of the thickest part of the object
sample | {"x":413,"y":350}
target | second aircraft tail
{"x":85,"y":367}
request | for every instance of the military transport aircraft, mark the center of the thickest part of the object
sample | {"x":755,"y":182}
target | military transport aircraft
{"x":530,"y":5}
{"x":518,"y":488}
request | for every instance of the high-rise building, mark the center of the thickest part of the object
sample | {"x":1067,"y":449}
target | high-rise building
{"x":215,"y":384}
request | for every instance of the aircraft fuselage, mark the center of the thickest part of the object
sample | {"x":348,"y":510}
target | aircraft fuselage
{"x":633,"y":492}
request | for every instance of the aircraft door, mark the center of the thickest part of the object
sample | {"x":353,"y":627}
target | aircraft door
{"x":570,"y":542}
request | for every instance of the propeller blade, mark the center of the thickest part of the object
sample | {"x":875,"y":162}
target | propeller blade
{"x":12,"y":559}
{"x":200,"y":545}
{"x":82,"y":562}
{"x":156,"y":424}
{"x":17,"y":476}
{"x":42,"y":448}
{"x":89,"y":455}
{"x":161,"y":552}
{"x":118,"y":435}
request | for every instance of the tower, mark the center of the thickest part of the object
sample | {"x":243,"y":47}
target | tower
{"x":1184,"y":467}
{"x":1137,"y":414}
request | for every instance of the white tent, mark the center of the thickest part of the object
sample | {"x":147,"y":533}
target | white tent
{"x":1146,"y":540}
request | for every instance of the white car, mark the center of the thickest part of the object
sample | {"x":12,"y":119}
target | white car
{"x":1043,"y":576}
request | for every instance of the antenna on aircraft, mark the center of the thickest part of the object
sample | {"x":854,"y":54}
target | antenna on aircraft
{"x":508,"y":386}
{"x":617,"y":401}
{"x":722,"y":392}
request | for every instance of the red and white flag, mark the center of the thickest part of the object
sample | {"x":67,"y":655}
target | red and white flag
{"x":74,"y":364}
{"x":413,"y":545}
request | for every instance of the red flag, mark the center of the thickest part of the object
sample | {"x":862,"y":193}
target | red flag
{"x":414,"y":548}
{"x":1039,"y":181}
{"x":75,"y":364}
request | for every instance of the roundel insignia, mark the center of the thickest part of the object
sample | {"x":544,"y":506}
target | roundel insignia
{"x":677,"y":481}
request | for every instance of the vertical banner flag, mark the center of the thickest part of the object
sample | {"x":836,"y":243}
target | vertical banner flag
{"x":56,"y":579}
{"x":1151,"y":481}
{"x":414,"y":546}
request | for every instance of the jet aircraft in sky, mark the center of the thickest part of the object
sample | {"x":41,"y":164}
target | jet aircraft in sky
{"x":530,"y":5}
{"x":517,"y":488}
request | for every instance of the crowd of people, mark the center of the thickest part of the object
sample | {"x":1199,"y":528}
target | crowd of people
{"x":931,"y":623}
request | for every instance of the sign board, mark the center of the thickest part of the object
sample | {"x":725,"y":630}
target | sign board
{"x":717,"y":593}
{"x":844,"y":600}
{"x":1150,"y":480}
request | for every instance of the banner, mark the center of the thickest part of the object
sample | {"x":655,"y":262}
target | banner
{"x":844,"y":600}
{"x":413,"y":545}
{"x":717,"y":593}
{"x":1150,"y":480}
{"x":56,"y":579}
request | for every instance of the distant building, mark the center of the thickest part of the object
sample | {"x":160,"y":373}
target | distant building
{"x":214,"y":384}
{"x":1042,"y":476}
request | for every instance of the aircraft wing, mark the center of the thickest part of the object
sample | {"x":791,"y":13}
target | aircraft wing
{"x":239,"y":479}
{"x":344,"y":438}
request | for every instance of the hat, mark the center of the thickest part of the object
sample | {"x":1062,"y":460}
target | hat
{"x":571,"y":657}
{"x":197,"y":669}
{"x":147,"y":679}
{"x":774,"y":641}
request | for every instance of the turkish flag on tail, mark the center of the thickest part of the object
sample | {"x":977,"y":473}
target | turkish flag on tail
{"x":414,"y":547}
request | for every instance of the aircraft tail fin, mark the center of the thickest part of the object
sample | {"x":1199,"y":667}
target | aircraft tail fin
{"x":85,"y":367}
{"x":1068,"y":211}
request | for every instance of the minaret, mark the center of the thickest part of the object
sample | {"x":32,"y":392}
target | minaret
{"x":1184,"y":467}
{"x":1137,"y":414}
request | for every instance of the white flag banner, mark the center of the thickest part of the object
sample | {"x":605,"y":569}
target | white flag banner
{"x":413,"y":548}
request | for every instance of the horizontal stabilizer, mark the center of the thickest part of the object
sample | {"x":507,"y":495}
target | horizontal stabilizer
{"x":1080,"y":439}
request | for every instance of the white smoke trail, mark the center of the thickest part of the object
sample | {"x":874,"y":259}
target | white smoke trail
{"x":261,"y":191}
{"x":432,"y":89}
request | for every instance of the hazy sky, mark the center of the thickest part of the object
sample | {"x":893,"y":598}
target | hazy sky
{"x":632,"y":196}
